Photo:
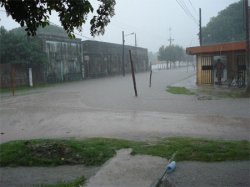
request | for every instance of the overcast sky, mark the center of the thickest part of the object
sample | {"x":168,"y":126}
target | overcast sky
{"x":151,"y":20}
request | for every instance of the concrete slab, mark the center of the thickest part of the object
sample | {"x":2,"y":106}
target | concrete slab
{"x":211,"y":174}
{"x":125,"y":170}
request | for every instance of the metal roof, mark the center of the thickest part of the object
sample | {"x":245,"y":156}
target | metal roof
{"x":217,"y":48}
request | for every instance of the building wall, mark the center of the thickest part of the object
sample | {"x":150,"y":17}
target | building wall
{"x":73,"y":60}
{"x":64,"y":58}
{"x":235,"y":67}
{"x":101,"y":58}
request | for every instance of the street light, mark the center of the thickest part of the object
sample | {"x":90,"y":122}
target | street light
{"x":132,"y":33}
{"x":123,"y":42}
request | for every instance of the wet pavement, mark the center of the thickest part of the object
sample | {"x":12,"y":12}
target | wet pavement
{"x":140,"y":171}
{"x":107,"y":107}
{"x":125,"y":169}
{"x":38,"y":176}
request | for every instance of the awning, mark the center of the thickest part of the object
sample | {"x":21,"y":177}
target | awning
{"x":217,"y":48}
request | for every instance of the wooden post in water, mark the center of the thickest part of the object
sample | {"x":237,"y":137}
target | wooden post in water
{"x":13,"y":80}
{"x":150,"y":77}
{"x":132,"y":72}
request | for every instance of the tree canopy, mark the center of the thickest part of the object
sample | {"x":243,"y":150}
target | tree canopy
{"x":228,"y":26}
{"x":72,"y":14}
{"x":48,"y":30}
{"x":17,"y":48}
{"x":171,"y":53}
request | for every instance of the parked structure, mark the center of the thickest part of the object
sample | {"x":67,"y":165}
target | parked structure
{"x":233,"y":58}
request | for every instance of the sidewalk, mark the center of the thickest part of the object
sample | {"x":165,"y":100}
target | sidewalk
{"x":125,"y":170}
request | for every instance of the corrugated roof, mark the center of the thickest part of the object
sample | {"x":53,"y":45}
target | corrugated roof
{"x":217,"y":48}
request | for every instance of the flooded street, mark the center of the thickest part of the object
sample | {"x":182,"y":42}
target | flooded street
{"x":107,"y":107}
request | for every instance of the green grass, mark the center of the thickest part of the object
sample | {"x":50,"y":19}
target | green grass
{"x":74,"y":183}
{"x":26,"y":89}
{"x":198,"y":149}
{"x":219,"y":93}
{"x":179,"y":90}
{"x":95,"y":151}
{"x":23,"y":89}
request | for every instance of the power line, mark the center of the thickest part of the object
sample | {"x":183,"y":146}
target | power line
{"x":184,"y":7}
{"x":193,"y":6}
{"x":188,"y":11}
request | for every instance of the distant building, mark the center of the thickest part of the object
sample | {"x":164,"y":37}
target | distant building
{"x":102,"y":58}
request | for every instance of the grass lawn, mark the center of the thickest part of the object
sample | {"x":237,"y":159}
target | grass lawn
{"x":23,"y":90}
{"x":210,"y":92}
{"x":179,"y":90}
{"x":95,"y":151}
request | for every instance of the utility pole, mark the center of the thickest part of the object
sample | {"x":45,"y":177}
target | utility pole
{"x":170,"y":38}
{"x":136,"y":57}
{"x":123,"y":64}
{"x":247,"y":25}
{"x":135,"y":41}
{"x":133,"y":73}
{"x":200,"y":32}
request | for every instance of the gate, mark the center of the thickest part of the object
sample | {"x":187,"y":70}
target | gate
{"x":241,"y":70}
{"x":205,"y":70}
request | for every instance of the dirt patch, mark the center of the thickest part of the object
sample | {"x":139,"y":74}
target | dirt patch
{"x":54,"y":150}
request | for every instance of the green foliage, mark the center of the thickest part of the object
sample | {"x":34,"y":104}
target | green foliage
{"x":171,"y":53}
{"x":228,"y":26}
{"x":93,"y":151}
{"x":197,"y":149}
{"x":72,"y":14}
{"x":96,"y":151}
{"x":179,"y":90}
{"x":48,"y":30}
{"x":17,"y":48}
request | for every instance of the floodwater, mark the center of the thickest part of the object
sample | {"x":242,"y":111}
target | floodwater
{"x":107,"y":107}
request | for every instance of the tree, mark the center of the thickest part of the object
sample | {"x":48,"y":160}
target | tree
{"x":162,"y":53}
{"x":16,"y":49}
{"x":228,"y":26}
{"x":72,"y":14}
{"x":171,"y":53}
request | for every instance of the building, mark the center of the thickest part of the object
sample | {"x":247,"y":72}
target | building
{"x":71,"y":59}
{"x":64,"y":58}
{"x":63,"y":62}
{"x":233,"y":57}
{"x":102,"y":58}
